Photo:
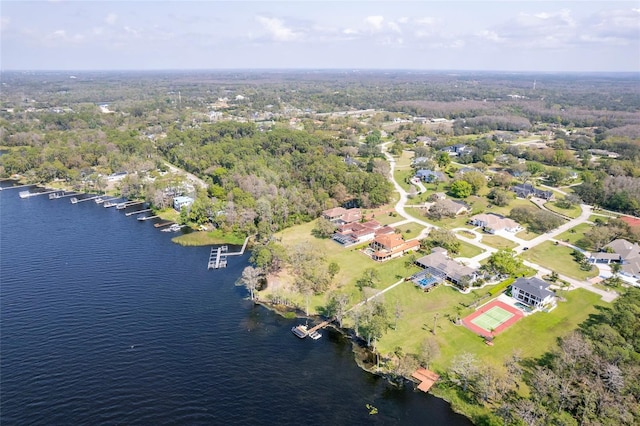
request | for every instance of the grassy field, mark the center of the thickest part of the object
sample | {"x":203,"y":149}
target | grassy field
{"x":468,"y":250}
{"x":352,"y":264}
{"x":578,"y":233}
{"x":527,"y":235}
{"x":602,"y":217}
{"x":410,"y":230}
{"x":558,"y":258}
{"x":572,"y":212}
{"x":533,"y":335}
{"x":402,"y":177}
{"x":203,"y":238}
{"x":498,"y":242}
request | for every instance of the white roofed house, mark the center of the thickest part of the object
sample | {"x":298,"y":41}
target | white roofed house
{"x":533,"y":292}
{"x":182,"y":201}
{"x":493,"y":223}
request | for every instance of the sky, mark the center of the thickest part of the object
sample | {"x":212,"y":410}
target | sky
{"x":515,"y":35}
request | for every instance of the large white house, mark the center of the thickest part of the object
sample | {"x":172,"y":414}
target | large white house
{"x":493,"y":223}
{"x":533,"y":292}
{"x":180,"y":202}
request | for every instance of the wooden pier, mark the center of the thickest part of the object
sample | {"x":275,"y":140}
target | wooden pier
{"x":88,"y":198}
{"x":320,"y":326}
{"x":17,"y":186}
{"x":161,"y":224}
{"x":218,"y":256}
{"x":137,"y":212}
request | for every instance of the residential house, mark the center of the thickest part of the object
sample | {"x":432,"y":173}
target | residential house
{"x":356,"y":232}
{"x":182,"y":201}
{"x":623,"y":252}
{"x":389,"y":246}
{"x":527,"y":190}
{"x":493,"y":223}
{"x":430,"y":175}
{"x":419,"y":160}
{"x":334,"y":214}
{"x":459,"y":150}
{"x":533,"y":292}
{"x":438,"y":196}
{"x":341,"y":216}
{"x":450,"y":208}
{"x":439,"y":265}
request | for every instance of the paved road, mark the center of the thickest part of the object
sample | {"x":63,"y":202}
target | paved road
{"x":487,"y":250}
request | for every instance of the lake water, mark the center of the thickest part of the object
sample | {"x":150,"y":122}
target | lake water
{"x":105,"y":321}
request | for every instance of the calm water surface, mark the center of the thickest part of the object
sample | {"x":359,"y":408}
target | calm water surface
{"x":105,"y":321}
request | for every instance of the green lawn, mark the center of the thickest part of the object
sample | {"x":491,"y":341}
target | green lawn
{"x":527,"y":235}
{"x":204,"y":238}
{"x":410,"y":230}
{"x":558,"y":258}
{"x":498,"y":242}
{"x":404,"y":160}
{"x":351,"y":261}
{"x":572,"y":212}
{"x":468,"y":250}
{"x":578,"y":233}
{"x":533,"y":335}
{"x":602,"y":217}
{"x":402,"y":177}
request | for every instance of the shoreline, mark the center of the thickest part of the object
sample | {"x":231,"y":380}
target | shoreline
{"x":358,"y":351}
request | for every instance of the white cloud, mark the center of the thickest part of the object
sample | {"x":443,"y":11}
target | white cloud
{"x":375,"y":22}
{"x":276,"y":28}
{"x":5,"y":21}
{"x":490,"y":36}
{"x":61,"y":36}
{"x":394,"y":27}
{"x":111,"y":18}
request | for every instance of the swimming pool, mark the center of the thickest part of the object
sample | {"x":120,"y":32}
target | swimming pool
{"x":426,"y":282}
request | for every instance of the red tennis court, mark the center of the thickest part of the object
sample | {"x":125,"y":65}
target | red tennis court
{"x":492,"y":318}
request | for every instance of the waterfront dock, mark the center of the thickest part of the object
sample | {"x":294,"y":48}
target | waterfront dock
{"x":87,"y":199}
{"x":137,"y":212}
{"x":4,"y":188}
{"x":218,"y":256}
{"x":161,"y":224}
{"x":217,"y":259}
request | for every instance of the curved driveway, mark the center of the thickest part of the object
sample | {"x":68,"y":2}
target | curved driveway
{"x":584,"y":217}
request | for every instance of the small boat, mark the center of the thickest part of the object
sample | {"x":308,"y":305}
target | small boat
{"x":141,"y":218}
{"x":74,"y":200}
{"x":300,"y":331}
{"x":315,"y":335}
{"x":55,"y":195}
{"x":108,"y":204}
{"x":24,"y":194}
{"x":99,"y":200}
{"x":175,"y":227}
{"x":121,"y":206}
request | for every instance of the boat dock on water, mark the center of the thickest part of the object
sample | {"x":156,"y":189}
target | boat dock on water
{"x":218,"y":256}
{"x":137,"y":212}
{"x":303,"y":331}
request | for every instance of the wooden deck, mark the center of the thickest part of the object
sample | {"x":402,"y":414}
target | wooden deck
{"x":427,"y":378}
{"x":322,"y":325}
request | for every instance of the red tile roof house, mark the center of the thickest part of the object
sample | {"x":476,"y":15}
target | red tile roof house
{"x":390,"y":246}
{"x":353,"y":233}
